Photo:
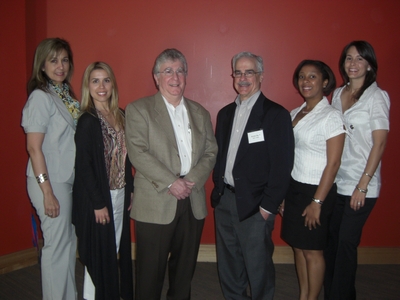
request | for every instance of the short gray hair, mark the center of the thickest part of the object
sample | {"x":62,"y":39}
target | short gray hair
{"x":259,"y":60}
{"x":172,"y":55}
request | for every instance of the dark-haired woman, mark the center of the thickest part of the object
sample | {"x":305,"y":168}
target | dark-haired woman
{"x":365,"y":108}
{"x":102,"y":189}
{"x":49,"y":120}
{"x":319,"y":138}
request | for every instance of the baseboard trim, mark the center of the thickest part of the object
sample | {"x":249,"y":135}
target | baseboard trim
{"x":282,"y":255}
{"x":18,"y":260}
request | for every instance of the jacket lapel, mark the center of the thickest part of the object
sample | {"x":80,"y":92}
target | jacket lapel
{"x":62,"y":108}
{"x":254,"y":123}
{"x":163,"y":119}
{"x":196,"y":124}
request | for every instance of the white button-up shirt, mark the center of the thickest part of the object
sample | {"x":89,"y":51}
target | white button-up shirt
{"x":369,"y":113}
{"x":183,"y":133}
{"x":310,"y":134}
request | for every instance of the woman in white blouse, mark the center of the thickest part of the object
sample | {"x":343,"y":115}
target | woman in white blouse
{"x":365,"y":108}
{"x":319,"y":138}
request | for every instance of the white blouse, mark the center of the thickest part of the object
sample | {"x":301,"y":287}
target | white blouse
{"x":369,"y":113}
{"x":310,"y":134}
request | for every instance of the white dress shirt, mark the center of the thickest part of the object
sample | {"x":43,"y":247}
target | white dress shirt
{"x":369,"y":113}
{"x":310,"y":134}
{"x":183,"y":133}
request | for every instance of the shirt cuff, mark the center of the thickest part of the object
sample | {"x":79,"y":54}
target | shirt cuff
{"x":266,"y":210}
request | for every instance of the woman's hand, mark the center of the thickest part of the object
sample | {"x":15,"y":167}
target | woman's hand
{"x":34,"y":141}
{"x":130,"y":205}
{"x":357,"y":200}
{"x":311,"y":214}
{"x":51,"y":205}
{"x":102,"y":215}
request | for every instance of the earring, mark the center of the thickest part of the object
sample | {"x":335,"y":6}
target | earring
{"x":369,"y":69}
{"x":324,"y":86}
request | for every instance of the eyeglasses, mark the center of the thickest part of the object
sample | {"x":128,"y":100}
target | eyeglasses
{"x":169,"y":72}
{"x":247,"y":73}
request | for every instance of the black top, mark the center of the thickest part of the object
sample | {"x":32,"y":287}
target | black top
{"x":96,"y":242}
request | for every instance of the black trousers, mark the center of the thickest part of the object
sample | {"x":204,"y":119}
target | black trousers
{"x":341,"y":254}
{"x":176,"y":244}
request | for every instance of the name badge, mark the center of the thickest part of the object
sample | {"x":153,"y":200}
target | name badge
{"x":255,"y":136}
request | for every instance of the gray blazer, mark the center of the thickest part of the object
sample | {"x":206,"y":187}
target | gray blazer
{"x":153,"y":151}
{"x":46,"y":113}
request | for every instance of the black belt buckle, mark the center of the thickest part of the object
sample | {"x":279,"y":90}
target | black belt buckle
{"x":231,"y":188}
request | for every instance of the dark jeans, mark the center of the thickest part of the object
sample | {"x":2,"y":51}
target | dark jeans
{"x":341,"y":254}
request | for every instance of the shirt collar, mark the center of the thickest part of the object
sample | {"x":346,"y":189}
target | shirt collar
{"x":324,"y":101}
{"x":249,"y":103}
{"x":181,"y":103}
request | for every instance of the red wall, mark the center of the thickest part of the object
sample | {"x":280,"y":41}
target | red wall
{"x":15,"y":229}
{"x":130,"y":34}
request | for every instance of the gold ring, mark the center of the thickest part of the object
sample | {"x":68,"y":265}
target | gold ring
{"x":104,"y":220}
{"x":358,"y":203}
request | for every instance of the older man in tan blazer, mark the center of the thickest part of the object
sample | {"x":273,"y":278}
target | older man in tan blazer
{"x":172,"y":146}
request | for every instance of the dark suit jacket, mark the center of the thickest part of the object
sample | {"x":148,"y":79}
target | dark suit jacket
{"x":261,"y":171}
{"x":96,"y":242}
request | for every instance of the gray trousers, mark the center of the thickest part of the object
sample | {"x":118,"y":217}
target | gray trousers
{"x":59,"y":251}
{"x":244,"y":252}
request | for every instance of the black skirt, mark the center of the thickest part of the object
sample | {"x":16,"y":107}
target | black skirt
{"x":293,"y":230}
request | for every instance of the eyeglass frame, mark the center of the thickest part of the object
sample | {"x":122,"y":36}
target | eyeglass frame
{"x":246,"y":74}
{"x":178,"y":72}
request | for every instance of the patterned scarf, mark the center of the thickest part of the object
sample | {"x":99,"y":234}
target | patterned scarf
{"x":72,"y":105}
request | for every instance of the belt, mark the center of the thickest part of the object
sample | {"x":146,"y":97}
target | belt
{"x":229,"y":187}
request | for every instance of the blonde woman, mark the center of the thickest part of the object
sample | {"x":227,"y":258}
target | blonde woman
{"x":102,"y":189}
{"x":49,"y":120}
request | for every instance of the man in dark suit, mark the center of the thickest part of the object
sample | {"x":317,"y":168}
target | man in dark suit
{"x":171,"y":144}
{"x":251,"y":176}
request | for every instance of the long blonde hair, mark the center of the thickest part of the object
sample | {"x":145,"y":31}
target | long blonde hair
{"x":87,"y":104}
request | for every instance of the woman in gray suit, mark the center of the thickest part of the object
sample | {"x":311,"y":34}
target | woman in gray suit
{"x":49,"y":120}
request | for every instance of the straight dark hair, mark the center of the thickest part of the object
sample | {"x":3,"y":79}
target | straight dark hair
{"x":367,"y":52}
{"x":323,"y":68}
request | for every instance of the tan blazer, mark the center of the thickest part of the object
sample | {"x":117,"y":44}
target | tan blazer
{"x":153,"y":151}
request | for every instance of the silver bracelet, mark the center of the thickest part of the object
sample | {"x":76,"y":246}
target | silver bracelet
{"x":366,"y":174}
{"x":362,"y":190}
{"x":41,"y":178}
{"x":317,"y":201}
